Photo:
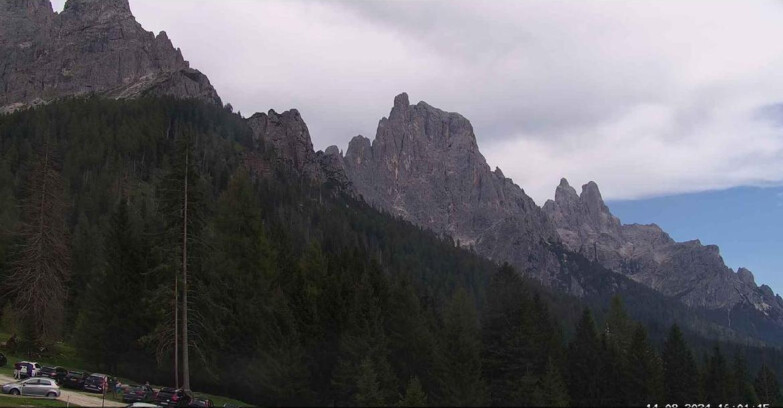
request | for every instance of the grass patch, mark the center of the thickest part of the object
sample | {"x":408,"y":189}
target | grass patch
{"x":13,"y":401}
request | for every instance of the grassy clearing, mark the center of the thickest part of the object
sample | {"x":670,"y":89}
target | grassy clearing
{"x":13,"y":401}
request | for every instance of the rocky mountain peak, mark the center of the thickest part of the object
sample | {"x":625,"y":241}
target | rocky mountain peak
{"x":565,"y":193}
{"x":332,"y":151}
{"x":97,"y":12}
{"x":425,"y":166}
{"x":288,"y":134}
{"x":746,"y":276}
{"x":401,"y":101}
{"x":693,"y":272}
{"x":93,"y":46}
{"x":591,"y":194}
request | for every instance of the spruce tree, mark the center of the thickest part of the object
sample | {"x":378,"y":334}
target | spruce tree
{"x":644,"y":370}
{"x":414,"y":395}
{"x":619,"y":326}
{"x":744,"y":392}
{"x":411,"y":343}
{"x":584,"y":375}
{"x":368,"y":393}
{"x":463,"y":382}
{"x":553,"y":389}
{"x":680,"y":372}
{"x":113,"y":318}
{"x":767,"y":386}
{"x":718,"y":383}
{"x":511,"y":353}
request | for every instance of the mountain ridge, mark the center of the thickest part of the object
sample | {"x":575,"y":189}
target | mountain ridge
{"x":91,"y":47}
{"x":690,"y":271}
{"x":424,"y":165}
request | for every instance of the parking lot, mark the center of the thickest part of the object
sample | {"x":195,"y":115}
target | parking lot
{"x":75,"y":397}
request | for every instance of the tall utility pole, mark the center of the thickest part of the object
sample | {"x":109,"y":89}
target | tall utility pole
{"x":176,"y":331}
{"x":185,"y":356}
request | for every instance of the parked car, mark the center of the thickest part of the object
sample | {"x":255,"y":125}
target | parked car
{"x":201,"y":403}
{"x":36,"y":367}
{"x":138,"y":393}
{"x":56,"y":373}
{"x":171,"y":397}
{"x":143,"y":405}
{"x":97,"y":383}
{"x":24,"y":369}
{"x":38,"y":387}
{"x":75,"y":380}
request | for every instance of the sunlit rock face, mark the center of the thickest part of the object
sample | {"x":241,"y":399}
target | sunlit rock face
{"x":689,"y":271}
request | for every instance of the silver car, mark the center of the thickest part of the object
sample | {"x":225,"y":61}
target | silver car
{"x":38,"y":387}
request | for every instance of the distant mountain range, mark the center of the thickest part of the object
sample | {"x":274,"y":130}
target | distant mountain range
{"x":424,"y":165}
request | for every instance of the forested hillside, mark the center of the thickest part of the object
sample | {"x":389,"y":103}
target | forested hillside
{"x":298,"y":294}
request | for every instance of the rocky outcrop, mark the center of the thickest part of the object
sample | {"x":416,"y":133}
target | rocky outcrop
{"x":93,"y":46}
{"x":425,"y":166}
{"x":689,"y":271}
{"x":287,"y":134}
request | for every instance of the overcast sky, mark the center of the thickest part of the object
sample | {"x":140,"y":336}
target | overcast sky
{"x":645,"y":98}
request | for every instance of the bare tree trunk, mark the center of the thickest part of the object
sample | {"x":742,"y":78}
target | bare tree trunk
{"x":185,"y":355}
{"x":176,"y":331}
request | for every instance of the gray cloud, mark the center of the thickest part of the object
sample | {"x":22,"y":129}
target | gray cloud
{"x":646,"y":98}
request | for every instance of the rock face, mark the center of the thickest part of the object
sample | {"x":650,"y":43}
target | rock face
{"x":689,"y":271}
{"x":93,"y":46}
{"x":288,"y":135}
{"x":425,"y":166}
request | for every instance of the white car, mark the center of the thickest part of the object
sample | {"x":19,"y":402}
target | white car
{"x":36,"y":386}
{"x":36,"y":368}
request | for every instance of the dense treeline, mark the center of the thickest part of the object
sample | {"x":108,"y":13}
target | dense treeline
{"x":297,"y":294}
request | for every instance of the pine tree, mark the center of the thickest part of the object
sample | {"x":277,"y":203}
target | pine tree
{"x":680,"y":372}
{"x":615,"y":349}
{"x":614,"y":388}
{"x":411,"y":343}
{"x":553,"y":389}
{"x":113,"y":318}
{"x":644,"y":370}
{"x":461,"y":348}
{"x":364,"y":339}
{"x":718,"y":383}
{"x":511,"y":358}
{"x":767,"y":386}
{"x":744,"y":392}
{"x":368,"y":393}
{"x":414,"y":395}
{"x":619,"y":326}
{"x":8,"y":212}
{"x":584,"y":376}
